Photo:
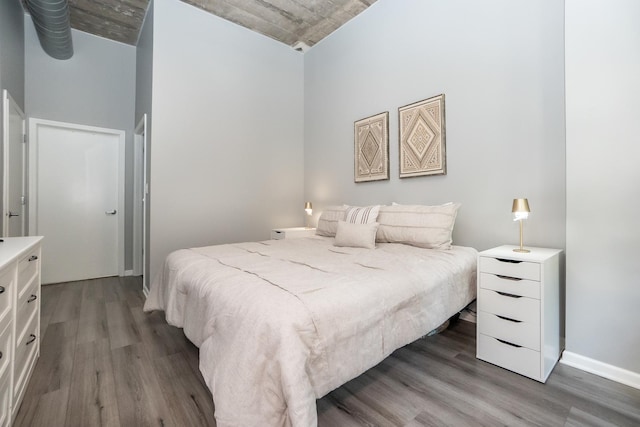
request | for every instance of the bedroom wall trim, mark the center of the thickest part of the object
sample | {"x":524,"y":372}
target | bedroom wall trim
{"x":601,"y":369}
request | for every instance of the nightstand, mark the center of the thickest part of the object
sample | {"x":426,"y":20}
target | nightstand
{"x":519,"y":310}
{"x":292,"y":233}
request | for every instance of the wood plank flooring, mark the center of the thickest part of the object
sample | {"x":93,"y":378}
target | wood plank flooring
{"x":104,"y":362}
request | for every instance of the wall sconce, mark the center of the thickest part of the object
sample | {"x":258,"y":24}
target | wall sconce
{"x":520,"y":211}
{"x":308,"y":208}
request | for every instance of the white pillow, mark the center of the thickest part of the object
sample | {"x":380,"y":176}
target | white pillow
{"x":356,"y":235}
{"x":365,"y":215}
{"x":328,"y":221}
{"x":428,"y":227}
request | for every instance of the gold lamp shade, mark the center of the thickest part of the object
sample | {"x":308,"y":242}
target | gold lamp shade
{"x":520,"y":210}
{"x":520,"y":205}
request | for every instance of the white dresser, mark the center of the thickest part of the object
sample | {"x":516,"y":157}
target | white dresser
{"x":291,"y":233}
{"x":19,"y":320}
{"x":519,"y":310}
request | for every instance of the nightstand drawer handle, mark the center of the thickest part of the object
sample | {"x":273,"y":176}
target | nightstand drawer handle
{"x":32,"y":338}
{"x":515,"y":279}
{"x":509,"y":343}
{"x":1,"y":289}
{"x":33,"y":257}
{"x":511,"y":261}
{"x":32,"y":298}
{"x":504,"y":294}
{"x":508,"y":318}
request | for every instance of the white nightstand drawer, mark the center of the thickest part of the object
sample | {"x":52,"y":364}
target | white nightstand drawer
{"x":517,"y":308}
{"x":291,"y":233}
{"x":526,"y":334}
{"x":510,"y":268}
{"x":522,"y":287}
{"x":517,"y":359}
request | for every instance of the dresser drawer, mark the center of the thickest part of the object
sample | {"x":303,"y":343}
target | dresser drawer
{"x":517,"y":308}
{"x":517,"y":359}
{"x":28,"y":303}
{"x":6,"y":285}
{"x":6,"y":338}
{"x":26,"y":348}
{"x":509,"y":268}
{"x":28,"y":267}
{"x":510,"y":285}
{"x":526,"y":334}
{"x":5,"y":399}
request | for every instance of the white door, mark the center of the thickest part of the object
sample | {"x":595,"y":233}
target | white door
{"x":77,"y":202}
{"x":13,"y":223}
{"x":140,"y":190}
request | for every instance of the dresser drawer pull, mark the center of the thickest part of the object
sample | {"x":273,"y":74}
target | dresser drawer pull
{"x":33,"y":258}
{"x":509,"y":343}
{"x":1,"y":289}
{"x":508,"y":318}
{"x":33,"y":338}
{"x":511,"y":261}
{"x":32,"y":298}
{"x":515,"y":279}
{"x":0,"y":355}
{"x":504,"y":294}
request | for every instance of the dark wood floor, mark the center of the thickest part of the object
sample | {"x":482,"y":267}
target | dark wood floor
{"x":105,"y":362}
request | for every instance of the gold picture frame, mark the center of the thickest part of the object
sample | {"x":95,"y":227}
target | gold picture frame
{"x":422,"y":139}
{"x":371,"y":148}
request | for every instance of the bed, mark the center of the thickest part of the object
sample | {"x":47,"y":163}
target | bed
{"x":281,"y":323}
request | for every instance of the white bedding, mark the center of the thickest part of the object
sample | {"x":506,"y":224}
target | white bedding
{"x":281,"y":323}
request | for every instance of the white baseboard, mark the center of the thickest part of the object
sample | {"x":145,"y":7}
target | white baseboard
{"x":128,"y":272}
{"x":601,"y":369}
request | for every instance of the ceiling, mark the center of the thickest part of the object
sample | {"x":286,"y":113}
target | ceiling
{"x":288,"y":21}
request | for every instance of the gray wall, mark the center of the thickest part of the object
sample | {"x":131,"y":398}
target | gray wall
{"x":603,"y":178}
{"x":95,"y":87}
{"x":227,"y":152}
{"x":499,"y":64}
{"x":11,"y":61}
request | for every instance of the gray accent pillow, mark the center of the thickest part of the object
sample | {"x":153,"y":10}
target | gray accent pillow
{"x":428,"y":227}
{"x":356,"y":235}
{"x":328,"y":221}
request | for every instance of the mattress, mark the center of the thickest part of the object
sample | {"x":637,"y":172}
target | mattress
{"x":281,"y":323}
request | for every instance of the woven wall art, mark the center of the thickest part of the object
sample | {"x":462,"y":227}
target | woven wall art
{"x":422,"y":138}
{"x":371,"y":148}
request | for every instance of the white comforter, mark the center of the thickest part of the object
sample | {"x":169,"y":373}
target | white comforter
{"x":281,"y":323}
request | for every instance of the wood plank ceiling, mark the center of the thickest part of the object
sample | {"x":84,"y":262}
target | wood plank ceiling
{"x":288,"y":21}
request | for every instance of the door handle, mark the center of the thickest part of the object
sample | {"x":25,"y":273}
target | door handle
{"x":113,"y":212}
{"x":10,"y":214}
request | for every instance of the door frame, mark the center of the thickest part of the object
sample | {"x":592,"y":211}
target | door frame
{"x":8,"y":101}
{"x":140,"y":191}
{"x":34,"y":124}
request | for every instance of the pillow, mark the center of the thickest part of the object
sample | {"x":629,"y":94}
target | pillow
{"x":328,"y":221}
{"x":356,"y":235}
{"x":417,"y":225}
{"x":366,"y":215}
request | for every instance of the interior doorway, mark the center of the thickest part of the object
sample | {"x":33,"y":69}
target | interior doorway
{"x":140,"y":192}
{"x":76,"y":186}
{"x":14,"y":177}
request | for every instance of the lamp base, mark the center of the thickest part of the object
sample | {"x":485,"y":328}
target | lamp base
{"x":524,"y":251}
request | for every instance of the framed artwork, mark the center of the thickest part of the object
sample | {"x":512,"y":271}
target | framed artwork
{"x":422,"y":138}
{"x":371,"y":148}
